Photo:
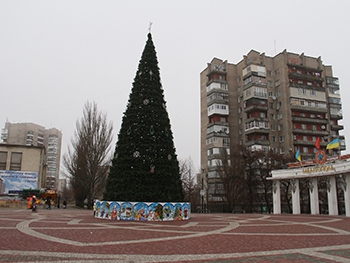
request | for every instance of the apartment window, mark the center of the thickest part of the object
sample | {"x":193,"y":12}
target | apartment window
{"x":269,"y":73}
{"x":302,"y":91}
{"x":302,"y":114}
{"x":312,"y":92}
{"x":269,"y":83}
{"x":282,"y":150}
{"x":16,"y":161}
{"x":262,"y":115}
{"x":273,"y":127}
{"x":279,"y":116}
{"x":305,"y":138}
{"x":3,"y":158}
{"x":303,"y":126}
{"x":271,"y":105}
{"x":281,"y":138}
{"x":280,"y":127}
{"x":273,"y":138}
{"x":277,"y":72}
{"x":278,"y":82}
{"x":272,"y":116}
{"x":226,"y":142}
{"x":239,"y":109}
{"x":314,"y":127}
{"x":238,"y":79}
{"x":305,"y":150}
{"x":279,"y":105}
{"x":240,"y":121}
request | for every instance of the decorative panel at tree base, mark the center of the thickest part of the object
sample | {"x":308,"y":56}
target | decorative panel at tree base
{"x":142,"y":211}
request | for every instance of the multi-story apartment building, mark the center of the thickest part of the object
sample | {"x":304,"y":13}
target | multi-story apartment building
{"x":31,"y":134}
{"x":281,"y":103}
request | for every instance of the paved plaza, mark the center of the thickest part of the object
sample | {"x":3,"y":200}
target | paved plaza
{"x":74,"y":235}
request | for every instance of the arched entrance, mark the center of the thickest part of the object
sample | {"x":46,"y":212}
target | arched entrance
{"x":336,"y":170}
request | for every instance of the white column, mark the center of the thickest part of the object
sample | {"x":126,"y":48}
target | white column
{"x":332,"y":196}
{"x":276,"y":188}
{"x":295,"y":196}
{"x":346,"y":188}
{"x":314,"y":201}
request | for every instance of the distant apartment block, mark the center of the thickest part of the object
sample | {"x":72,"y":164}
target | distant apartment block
{"x":30,"y":134}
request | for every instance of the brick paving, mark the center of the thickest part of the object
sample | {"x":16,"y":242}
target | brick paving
{"x":74,"y":235}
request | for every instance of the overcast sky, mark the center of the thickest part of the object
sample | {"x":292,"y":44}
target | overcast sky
{"x":56,"y":55}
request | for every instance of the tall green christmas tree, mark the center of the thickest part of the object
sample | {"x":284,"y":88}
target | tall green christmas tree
{"x":145,"y":165}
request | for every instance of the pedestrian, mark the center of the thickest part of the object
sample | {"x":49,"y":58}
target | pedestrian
{"x":48,"y":203}
{"x":64,"y":204}
{"x":34,"y":209}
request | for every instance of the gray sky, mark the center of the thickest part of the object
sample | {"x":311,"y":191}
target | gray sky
{"x":56,"y":55}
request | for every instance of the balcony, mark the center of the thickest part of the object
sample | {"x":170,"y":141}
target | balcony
{"x":306,"y":76}
{"x":336,"y":113}
{"x":308,"y":143}
{"x":304,"y":108}
{"x":310,"y":132}
{"x":258,"y":142}
{"x":219,"y":109}
{"x":257,"y":130}
{"x":260,"y":107}
{"x":218,"y":98}
{"x":337,"y":127}
{"x":254,"y":81}
{"x":309,"y":120}
{"x":332,"y":82}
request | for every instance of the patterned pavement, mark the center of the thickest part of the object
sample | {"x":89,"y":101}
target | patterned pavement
{"x":74,"y":235}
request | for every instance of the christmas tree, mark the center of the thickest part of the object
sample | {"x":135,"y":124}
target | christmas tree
{"x":145,"y":166}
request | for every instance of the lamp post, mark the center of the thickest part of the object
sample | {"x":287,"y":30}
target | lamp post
{"x":202,"y":192}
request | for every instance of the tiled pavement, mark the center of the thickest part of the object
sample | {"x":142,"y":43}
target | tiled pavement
{"x":74,"y":235}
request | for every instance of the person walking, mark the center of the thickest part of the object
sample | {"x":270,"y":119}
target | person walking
{"x":34,"y":207}
{"x":48,"y":203}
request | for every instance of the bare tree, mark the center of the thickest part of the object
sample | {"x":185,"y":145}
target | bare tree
{"x":88,"y":158}
{"x":189,"y":182}
{"x":232,"y":171}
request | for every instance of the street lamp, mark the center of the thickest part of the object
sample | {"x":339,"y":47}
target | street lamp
{"x":202,"y":192}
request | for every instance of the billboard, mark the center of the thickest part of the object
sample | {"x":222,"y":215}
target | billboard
{"x":19,"y":180}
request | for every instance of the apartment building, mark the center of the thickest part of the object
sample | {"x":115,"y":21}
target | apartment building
{"x":281,"y":103}
{"x":31,"y":134}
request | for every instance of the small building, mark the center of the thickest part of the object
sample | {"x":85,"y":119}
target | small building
{"x":22,"y":166}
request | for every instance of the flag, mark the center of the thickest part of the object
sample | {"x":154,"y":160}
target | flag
{"x":333,"y":144}
{"x":298,"y":155}
{"x":318,"y":143}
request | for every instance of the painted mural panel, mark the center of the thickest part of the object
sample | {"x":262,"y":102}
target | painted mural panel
{"x":142,"y":211}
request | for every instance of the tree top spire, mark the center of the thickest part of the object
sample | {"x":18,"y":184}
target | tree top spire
{"x":150,"y":27}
